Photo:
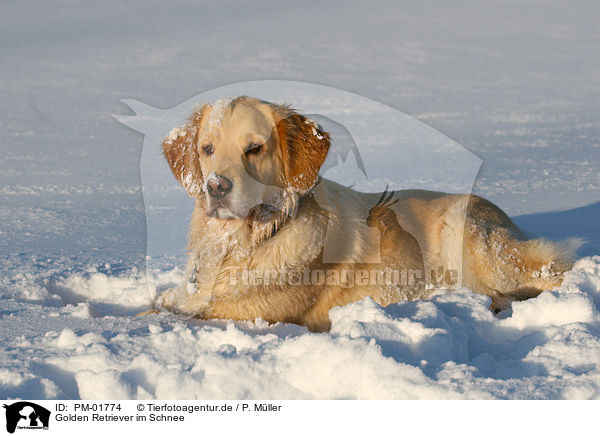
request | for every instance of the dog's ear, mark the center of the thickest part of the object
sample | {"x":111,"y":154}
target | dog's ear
{"x":304,"y":147}
{"x":181,"y":152}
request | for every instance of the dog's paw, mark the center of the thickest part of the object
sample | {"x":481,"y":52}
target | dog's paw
{"x":148,"y":312}
{"x":176,"y":300}
{"x":167,"y":300}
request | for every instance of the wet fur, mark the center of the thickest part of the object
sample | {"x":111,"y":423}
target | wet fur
{"x":404,"y":230}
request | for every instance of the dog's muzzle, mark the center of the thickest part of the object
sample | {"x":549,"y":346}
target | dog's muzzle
{"x":218,"y":186}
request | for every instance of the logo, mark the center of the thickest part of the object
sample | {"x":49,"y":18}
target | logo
{"x":373,"y":149}
{"x":26,"y":415}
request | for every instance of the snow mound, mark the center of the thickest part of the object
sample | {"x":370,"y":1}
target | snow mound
{"x":95,"y":293}
{"x":449,"y":346}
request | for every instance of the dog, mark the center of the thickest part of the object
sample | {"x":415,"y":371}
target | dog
{"x":269,"y":238}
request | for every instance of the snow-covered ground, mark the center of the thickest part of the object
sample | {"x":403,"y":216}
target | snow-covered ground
{"x":450,"y":346}
{"x":517,"y":84}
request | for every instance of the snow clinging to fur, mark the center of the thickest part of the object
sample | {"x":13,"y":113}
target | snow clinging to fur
{"x":217,"y":111}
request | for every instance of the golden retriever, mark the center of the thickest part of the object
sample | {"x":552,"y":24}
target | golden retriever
{"x":269,"y":238}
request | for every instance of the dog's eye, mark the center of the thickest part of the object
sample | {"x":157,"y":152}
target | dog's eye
{"x":253,"y":149}
{"x":208,"y":149}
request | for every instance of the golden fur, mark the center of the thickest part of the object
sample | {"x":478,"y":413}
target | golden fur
{"x":281,"y":218}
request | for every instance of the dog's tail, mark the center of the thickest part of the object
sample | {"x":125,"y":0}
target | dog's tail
{"x":546,"y":261}
{"x":531,"y":267}
{"x":500,"y":262}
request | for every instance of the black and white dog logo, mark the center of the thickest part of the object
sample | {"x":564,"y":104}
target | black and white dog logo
{"x":26,"y":415}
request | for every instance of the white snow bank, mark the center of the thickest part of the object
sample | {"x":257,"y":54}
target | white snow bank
{"x":96,"y":293}
{"x":450,"y":346}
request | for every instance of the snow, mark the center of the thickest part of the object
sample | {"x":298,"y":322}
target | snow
{"x":314,"y":126}
{"x":175,"y":133}
{"x":212,"y":177}
{"x":449,"y":346}
{"x":517,"y":85}
{"x":217,"y":111}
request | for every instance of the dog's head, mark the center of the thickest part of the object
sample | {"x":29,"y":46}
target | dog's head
{"x":249,"y":158}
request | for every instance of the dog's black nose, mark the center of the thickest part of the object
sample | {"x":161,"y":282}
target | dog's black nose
{"x":218,"y":186}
